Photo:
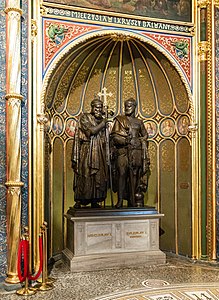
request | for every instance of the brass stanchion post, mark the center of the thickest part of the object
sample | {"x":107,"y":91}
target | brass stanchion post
{"x":44,"y":285}
{"x":48,"y":279}
{"x":26,"y":290}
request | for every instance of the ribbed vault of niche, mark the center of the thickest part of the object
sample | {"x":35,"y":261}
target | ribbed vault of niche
{"x":127,"y":67}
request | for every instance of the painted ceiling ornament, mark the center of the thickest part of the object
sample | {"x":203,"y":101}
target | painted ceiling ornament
{"x":181,"y":48}
{"x":56,"y":33}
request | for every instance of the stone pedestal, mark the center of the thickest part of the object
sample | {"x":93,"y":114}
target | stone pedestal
{"x":99,"y":239}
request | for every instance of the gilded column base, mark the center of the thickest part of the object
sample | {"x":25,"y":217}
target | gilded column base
{"x":12,"y":278}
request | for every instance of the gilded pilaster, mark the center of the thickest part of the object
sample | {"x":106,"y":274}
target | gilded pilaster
{"x":38,"y":128}
{"x":195,"y":138}
{"x":193,"y":128}
{"x":211,"y":140}
{"x":14,"y":99}
{"x":208,"y":125}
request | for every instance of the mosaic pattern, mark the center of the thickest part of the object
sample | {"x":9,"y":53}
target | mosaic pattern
{"x":217,"y":117}
{"x":3,"y":245}
{"x":122,"y":282}
{"x":24,"y":113}
{"x":185,"y":292}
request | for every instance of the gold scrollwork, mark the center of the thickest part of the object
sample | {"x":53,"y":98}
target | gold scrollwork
{"x":216,"y":2}
{"x":13,"y":9}
{"x":203,"y":3}
{"x":203,"y":49}
{"x":192,"y":30}
{"x":43,"y":10}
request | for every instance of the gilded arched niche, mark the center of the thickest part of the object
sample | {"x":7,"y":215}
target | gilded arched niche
{"x":128,"y":65}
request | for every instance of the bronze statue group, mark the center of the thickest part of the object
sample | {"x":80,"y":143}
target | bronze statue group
{"x":117,"y":159}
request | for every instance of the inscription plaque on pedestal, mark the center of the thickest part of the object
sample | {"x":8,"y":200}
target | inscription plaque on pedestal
{"x":99,"y":239}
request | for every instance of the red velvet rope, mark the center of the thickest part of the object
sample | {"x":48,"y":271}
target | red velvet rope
{"x":22,"y":251}
{"x":30,"y":277}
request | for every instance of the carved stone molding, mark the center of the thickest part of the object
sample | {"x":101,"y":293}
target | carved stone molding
{"x":203,"y":3}
{"x":203,"y":49}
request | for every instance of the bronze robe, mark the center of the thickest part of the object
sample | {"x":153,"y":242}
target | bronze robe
{"x":89,"y":162}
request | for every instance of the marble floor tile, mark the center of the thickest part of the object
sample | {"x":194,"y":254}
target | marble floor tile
{"x":91,"y":285}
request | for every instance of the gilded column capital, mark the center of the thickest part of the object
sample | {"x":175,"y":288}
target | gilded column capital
{"x":13,"y":9}
{"x":14,"y":100}
{"x":193,"y":128}
{"x":203,"y":49}
{"x":203,"y":3}
{"x":14,"y":96}
{"x":42,"y":119}
{"x":34,"y":29}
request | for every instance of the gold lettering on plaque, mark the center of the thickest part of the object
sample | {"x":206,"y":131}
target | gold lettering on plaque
{"x":135,"y":234}
{"x":99,"y":234}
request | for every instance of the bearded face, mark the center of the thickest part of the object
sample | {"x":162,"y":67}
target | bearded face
{"x":97,"y":110}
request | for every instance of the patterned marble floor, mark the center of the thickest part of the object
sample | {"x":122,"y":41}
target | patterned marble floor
{"x":177,"y":279}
